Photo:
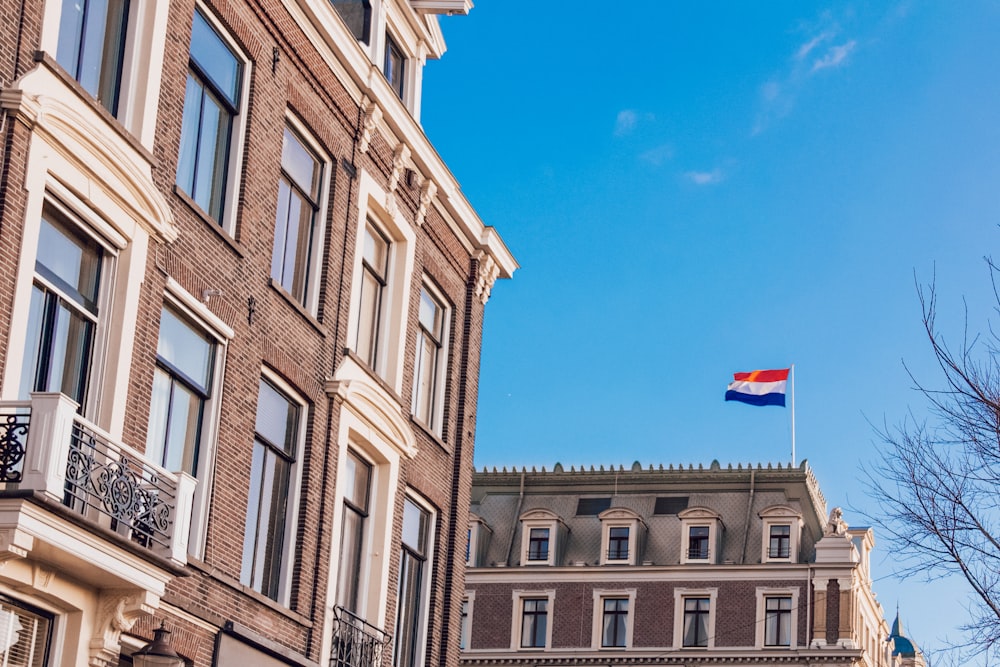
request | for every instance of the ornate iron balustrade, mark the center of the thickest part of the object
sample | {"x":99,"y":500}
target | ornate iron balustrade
{"x":46,"y":447}
{"x":357,"y":643}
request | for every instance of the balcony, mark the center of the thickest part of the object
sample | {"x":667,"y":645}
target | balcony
{"x":71,"y":493}
{"x":357,"y":643}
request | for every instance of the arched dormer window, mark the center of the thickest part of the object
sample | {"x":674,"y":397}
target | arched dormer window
{"x":701,"y":536}
{"x":782,"y":528}
{"x":622,"y":533}
{"x":543,"y":536}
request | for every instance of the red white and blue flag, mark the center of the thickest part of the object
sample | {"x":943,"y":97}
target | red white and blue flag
{"x":759,"y":387}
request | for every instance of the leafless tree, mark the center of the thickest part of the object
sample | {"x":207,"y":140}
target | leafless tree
{"x":938,"y":479}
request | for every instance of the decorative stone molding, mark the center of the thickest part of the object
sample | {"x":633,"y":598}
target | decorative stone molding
{"x":371,"y":116}
{"x":488,"y":273}
{"x":428,"y":190}
{"x":836,"y":525}
{"x":14,"y":543}
{"x":400,"y":160}
{"x":117,"y":612}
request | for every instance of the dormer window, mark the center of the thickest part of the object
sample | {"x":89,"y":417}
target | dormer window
{"x":701,"y":531}
{"x":781,"y":528}
{"x":394,"y":66}
{"x":357,"y":14}
{"x":542,"y":537}
{"x":621,"y":530}
{"x":479,"y":535}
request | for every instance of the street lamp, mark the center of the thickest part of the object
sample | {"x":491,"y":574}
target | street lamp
{"x":158,"y":653}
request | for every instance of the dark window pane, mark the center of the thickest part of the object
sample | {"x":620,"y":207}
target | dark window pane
{"x":215,"y":59}
{"x":592,"y":506}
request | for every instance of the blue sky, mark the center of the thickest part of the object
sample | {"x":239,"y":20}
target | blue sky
{"x":698,"y":188}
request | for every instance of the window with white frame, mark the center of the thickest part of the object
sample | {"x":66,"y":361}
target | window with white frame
{"x":213,"y":102}
{"x":532,"y":619}
{"x":620,"y":532}
{"x":414,"y":575}
{"x":394,"y":66}
{"x":701,"y":531}
{"x":781,"y":526}
{"x":25,"y":634}
{"x":65,"y":317}
{"x":613,"y":618}
{"x":182,"y":387}
{"x":354,"y":529}
{"x":478,"y":541}
{"x":431,"y":360}
{"x":540,"y":537}
{"x":357,"y":14}
{"x":91,"y":48}
{"x":465,"y":631}
{"x":694,"y":617}
{"x":273,"y":483}
{"x":374,"y":284}
{"x":298,"y":225}
{"x":114,"y":50}
{"x":777,"y":617}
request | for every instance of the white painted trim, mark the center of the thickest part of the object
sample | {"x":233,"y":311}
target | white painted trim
{"x":597,"y":632}
{"x":518,"y":597}
{"x":441,"y":368}
{"x":680,"y":594}
{"x":764,"y":592}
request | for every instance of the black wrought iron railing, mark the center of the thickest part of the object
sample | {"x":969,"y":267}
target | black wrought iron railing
{"x":618,"y":553}
{"x":13,"y":445}
{"x":357,"y":643}
{"x":781,"y":551}
{"x":698,"y":552}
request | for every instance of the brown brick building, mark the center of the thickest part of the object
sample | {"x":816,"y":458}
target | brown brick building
{"x":241,"y":306}
{"x":733,"y":566}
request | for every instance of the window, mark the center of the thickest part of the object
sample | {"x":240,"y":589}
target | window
{"x":694,"y":617}
{"x":541,"y":532}
{"x":781,"y":528}
{"x":394,"y":67}
{"x":427,"y":402}
{"x":182,"y":384}
{"x":357,"y":14}
{"x":670,"y":505}
{"x":777,"y":621}
{"x":777,"y":617}
{"x":479,"y":537}
{"x":374,"y":279}
{"x":211,"y":103}
{"x":614,"y":622}
{"x":696,"y":622}
{"x":538,"y":544}
{"x":698,"y":542}
{"x":92,"y":46}
{"x":465,"y":630}
{"x":413,"y":573}
{"x":353,"y":536}
{"x":295,"y":225}
{"x":592,"y":506}
{"x":779,"y":542}
{"x":63,"y":315}
{"x":618,"y":543}
{"x":702,"y":531}
{"x":25,"y":634}
{"x":534,"y":622}
{"x":271,"y":472}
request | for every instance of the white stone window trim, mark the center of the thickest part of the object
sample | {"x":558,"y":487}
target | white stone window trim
{"x":519,"y":596}
{"x":681,"y":594}
{"x":540,"y":518}
{"x":620,"y":517}
{"x":699,"y":517}
{"x":478,"y":533}
{"x":294,"y":483}
{"x":465,"y":630}
{"x":600,"y":595}
{"x":441,"y":369}
{"x":376,"y":206}
{"x":142,"y":65}
{"x":780,"y":515}
{"x":213,"y":326}
{"x":764,"y":592}
{"x":237,"y":142}
{"x":327,"y":164}
{"x":428,"y":572}
{"x":370,"y":444}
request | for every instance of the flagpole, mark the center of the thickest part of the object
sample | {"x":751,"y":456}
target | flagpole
{"x":793,"y":413}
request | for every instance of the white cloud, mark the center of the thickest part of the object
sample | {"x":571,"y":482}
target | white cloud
{"x":659,"y":155}
{"x":806,"y":48}
{"x":625,"y":122}
{"x":835,"y":56}
{"x":705,"y":177}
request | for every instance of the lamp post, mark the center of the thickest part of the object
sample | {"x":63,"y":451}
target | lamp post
{"x":158,"y":653}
